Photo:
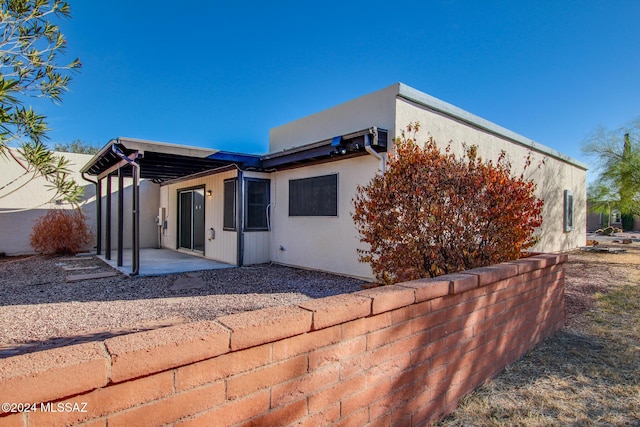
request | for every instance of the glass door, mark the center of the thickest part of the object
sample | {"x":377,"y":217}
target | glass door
{"x":191,"y":219}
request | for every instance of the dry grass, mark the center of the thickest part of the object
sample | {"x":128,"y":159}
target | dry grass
{"x":586,"y":375}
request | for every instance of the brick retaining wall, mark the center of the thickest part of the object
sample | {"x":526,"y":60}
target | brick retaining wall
{"x":395,"y":355}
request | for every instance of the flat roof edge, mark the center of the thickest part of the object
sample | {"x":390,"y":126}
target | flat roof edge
{"x":435,"y":104}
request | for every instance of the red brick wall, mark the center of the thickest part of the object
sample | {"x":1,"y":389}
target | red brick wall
{"x":396,"y":355}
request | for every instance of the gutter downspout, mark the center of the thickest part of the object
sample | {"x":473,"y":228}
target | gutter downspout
{"x":98,"y":213}
{"x":135,"y":264}
{"x":374,"y":153}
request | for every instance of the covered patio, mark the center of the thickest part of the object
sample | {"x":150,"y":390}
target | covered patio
{"x":156,"y":262}
{"x":157,"y":162}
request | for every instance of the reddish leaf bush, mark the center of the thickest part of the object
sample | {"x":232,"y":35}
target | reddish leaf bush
{"x":61,"y":231}
{"x":431,"y":213}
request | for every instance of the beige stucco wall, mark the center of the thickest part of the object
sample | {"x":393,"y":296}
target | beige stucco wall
{"x":20,"y":209}
{"x":224,"y":246}
{"x":149,"y":198}
{"x":552,"y":178}
{"x":331,"y":243}
{"x":374,"y":109}
{"x":322,"y":243}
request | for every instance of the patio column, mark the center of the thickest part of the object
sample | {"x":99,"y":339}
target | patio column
{"x":120,"y":216}
{"x":240,"y":219}
{"x":135,"y":262}
{"x":107,"y":243}
{"x":98,"y":216}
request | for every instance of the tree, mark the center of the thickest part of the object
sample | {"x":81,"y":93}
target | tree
{"x":602,"y":200}
{"x":431,"y":213}
{"x":30,"y":47}
{"x":617,"y":156}
{"x":76,"y":146}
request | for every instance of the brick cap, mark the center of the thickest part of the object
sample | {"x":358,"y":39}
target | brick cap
{"x":143,"y":353}
{"x":387,"y":298}
{"x":337,"y":309}
{"x":429,"y":288}
{"x":257,"y":327}
{"x":67,"y":371}
{"x":461,"y":282}
{"x":494,"y":273}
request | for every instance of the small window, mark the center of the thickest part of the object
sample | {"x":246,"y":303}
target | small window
{"x":257,"y":204}
{"x":229,"y":216}
{"x":568,"y":210}
{"x":317,"y":196}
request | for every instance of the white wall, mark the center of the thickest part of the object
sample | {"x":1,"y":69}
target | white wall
{"x":330,"y":243}
{"x":224,"y":246}
{"x":149,"y":199}
{"x":20,"y":209}
{"x":555,"y":176}
{"x":322,"y":243}
{"x":374,"y":109}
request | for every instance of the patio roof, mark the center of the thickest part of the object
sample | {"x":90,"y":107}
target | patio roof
{"x":160,"y":162}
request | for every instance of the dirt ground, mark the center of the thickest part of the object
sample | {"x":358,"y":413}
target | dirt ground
{"x":588,"y":374}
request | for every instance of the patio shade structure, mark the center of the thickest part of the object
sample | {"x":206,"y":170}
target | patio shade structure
{"x":157,"y":162}
{"x":161,"y":163}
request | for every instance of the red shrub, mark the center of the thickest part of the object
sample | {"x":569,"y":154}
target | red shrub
{"x":431,"y":213}
{"x":61,"y":231}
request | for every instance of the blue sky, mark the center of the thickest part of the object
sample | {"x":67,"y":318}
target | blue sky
{"x":221,"y":74}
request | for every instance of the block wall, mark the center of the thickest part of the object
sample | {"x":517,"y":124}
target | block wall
{"x":395,"y":355}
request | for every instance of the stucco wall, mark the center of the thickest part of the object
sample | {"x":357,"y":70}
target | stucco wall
{"x":224,"y":246}
{"x":330,"y":243}
{"x":149,"y":197}
{"x":322,"y":243}
{"x":374,"y":109}
{"x":552,"y":178}
{"x":20,"y":209}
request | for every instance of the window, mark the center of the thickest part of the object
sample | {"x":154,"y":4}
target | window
{"x":229,"y":215}
{"x":257,"y":203}
{"x":568,"y":210}
{"x":317,"y":196}
{"x":616,"y":217}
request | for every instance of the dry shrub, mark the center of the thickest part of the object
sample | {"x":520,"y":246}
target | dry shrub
{"x":61,"y":231}
{"x":432,"y":213}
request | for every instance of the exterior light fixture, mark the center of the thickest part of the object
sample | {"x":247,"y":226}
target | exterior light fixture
{"x":209,"y":192}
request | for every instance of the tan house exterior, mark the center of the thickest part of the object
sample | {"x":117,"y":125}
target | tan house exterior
{"x":293,"y":205}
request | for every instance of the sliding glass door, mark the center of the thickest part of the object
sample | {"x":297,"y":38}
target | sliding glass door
{"x":191,"y":219}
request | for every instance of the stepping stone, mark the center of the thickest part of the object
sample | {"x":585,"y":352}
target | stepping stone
{"x":74,"y":258}
{"x":79,"y":268}
{"x":102,"y":275}
{"x":188,"y":282}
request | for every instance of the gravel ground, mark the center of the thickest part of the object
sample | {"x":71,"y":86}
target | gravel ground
{"x":39,"y":309}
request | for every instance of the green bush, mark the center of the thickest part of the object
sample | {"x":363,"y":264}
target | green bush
{"x":627,"y":222}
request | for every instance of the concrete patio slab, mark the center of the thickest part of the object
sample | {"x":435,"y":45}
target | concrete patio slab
{"x":155,"y":262}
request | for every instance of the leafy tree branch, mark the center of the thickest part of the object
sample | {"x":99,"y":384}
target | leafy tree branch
{"x":30,"y":67}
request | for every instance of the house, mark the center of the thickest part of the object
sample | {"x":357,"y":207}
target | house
{"x":613,"y":218}
{"x":292,"y":206}
{"x":24,"y":199}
